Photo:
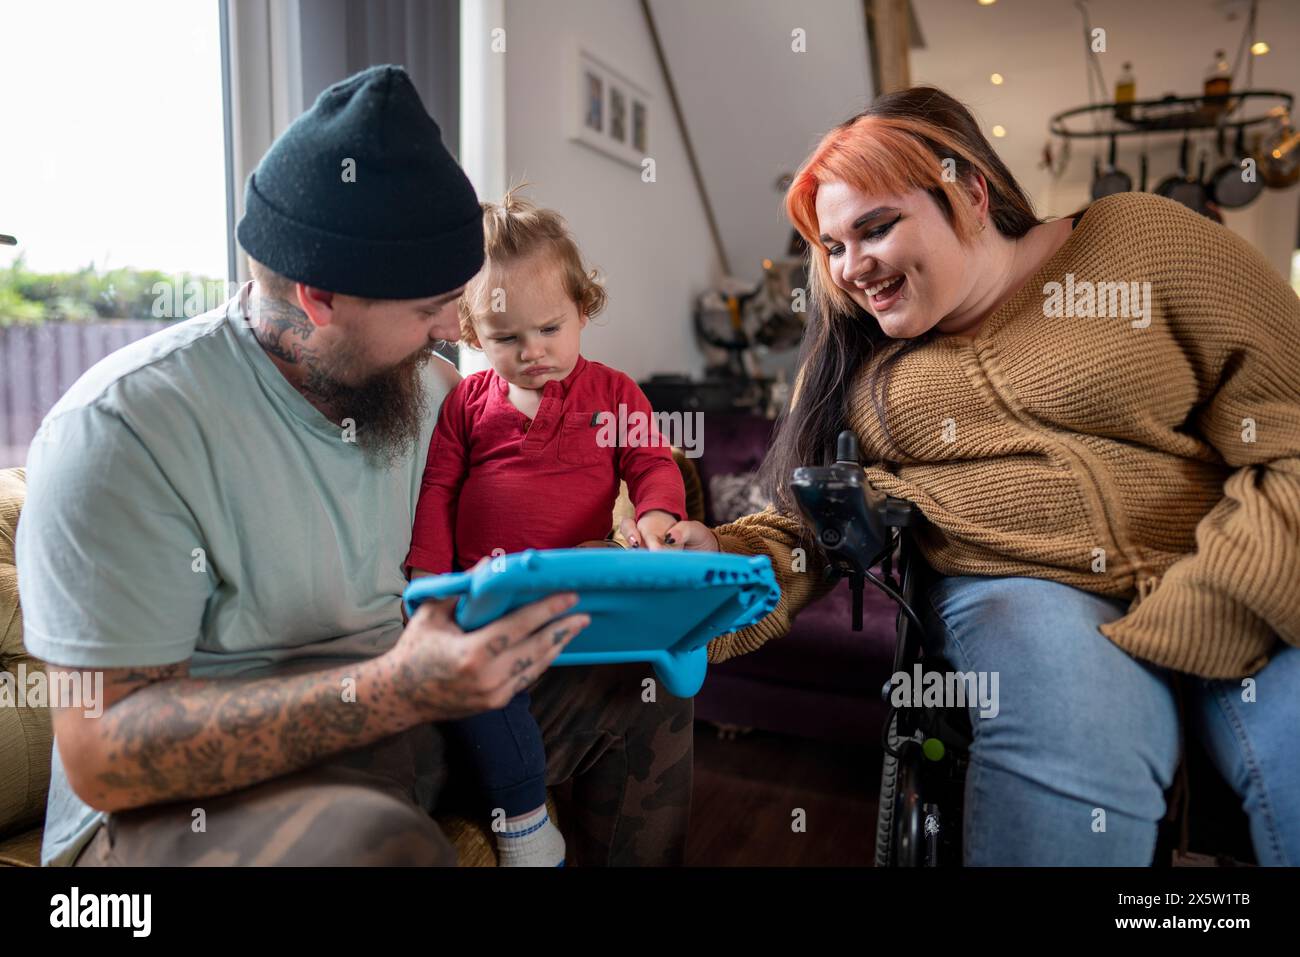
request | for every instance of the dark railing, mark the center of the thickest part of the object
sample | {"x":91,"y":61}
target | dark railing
{"x":39,"y":363}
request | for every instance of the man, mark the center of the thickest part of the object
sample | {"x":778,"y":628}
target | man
{"x":217,"y":519}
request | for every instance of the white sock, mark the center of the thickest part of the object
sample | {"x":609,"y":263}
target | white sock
{"x":531,"y":840}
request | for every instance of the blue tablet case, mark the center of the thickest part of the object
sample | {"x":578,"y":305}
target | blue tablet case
{"x":660,"y":607}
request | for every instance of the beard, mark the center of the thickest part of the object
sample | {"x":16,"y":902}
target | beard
{"x":387,"y":407}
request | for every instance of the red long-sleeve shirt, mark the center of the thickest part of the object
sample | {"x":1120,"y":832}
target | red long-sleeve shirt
{"x":496,"y":479}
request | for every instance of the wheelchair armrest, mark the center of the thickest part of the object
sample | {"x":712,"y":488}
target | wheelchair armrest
{"x":900,"y":513}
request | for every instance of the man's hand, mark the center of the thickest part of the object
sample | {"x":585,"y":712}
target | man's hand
{"x":451,"y":673}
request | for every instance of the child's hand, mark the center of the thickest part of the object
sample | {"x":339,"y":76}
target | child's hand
{"x":649,"y":531}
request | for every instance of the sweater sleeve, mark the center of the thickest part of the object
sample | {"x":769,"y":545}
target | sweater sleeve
{"x":1238,"y":324}
{"x":653,"y":479}
{"x":797,"y":562}
{"x":433,"y":537}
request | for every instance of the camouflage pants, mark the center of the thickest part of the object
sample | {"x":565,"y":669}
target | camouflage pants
{"x":629,"y":761}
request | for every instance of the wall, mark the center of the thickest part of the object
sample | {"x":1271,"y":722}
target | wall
{"x":649,"y":240}
{"x":757,"y":102}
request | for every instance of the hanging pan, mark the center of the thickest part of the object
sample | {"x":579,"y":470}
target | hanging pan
{"x":1114,"y":180}
{"x":1182,"y":187}
{"x":1228,"y":186}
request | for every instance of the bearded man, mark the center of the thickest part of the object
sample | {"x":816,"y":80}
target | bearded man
{"x":218,"y":517}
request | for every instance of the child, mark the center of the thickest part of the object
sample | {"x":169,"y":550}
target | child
{"x":515,"y":463}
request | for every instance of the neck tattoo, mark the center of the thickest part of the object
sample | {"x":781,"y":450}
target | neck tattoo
{"x":284,"y":332}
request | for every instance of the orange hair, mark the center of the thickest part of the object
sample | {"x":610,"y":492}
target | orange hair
{"x":884,"y":151}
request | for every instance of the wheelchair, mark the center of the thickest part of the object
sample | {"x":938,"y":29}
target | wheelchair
{"x":927,"y":747}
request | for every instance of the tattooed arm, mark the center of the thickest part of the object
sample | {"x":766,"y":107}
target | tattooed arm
{"x":164,"y":736}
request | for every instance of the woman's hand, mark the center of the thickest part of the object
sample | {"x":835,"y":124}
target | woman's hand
{"x":687,"y":536}
{"x":650,"y":529}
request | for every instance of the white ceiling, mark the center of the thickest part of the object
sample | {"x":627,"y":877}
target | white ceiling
{"x":1038,"y":47}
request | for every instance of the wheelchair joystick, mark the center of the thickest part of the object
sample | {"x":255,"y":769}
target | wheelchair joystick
{"x":852,"y":520}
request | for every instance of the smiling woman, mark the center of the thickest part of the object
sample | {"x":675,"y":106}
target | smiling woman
{"x":1110,"y":506}
{"x":934,"y":184}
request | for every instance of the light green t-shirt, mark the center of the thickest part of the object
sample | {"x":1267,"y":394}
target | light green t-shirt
{"x":186,"y":502}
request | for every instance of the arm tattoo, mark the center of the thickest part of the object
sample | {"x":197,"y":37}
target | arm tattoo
{"x":177,"y":737}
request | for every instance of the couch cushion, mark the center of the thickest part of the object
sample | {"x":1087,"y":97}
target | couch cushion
{"x":25,"y":733}
{"x":22,"y":849}
{"x":734,"y":444}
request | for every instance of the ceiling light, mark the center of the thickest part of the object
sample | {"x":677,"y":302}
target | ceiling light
{"x":999,"y":131}
{"x":1259,"y":48}
{"x":987,"y":3}
{"x":996,"y":79}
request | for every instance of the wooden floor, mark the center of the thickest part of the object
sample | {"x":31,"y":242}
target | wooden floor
{"x":748,"y":789}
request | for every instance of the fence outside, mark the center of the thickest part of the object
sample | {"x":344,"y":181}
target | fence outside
{"x":40,"y":363}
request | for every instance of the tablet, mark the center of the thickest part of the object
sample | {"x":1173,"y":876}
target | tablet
{"x":659,"y":607}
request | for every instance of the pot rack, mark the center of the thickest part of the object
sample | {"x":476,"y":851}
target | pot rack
{"x":1171,"y":114}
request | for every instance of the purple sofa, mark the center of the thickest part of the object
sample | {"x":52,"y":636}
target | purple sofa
{"x":822,"y":680}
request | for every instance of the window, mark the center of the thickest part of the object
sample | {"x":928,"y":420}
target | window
{"x":113,"y":180}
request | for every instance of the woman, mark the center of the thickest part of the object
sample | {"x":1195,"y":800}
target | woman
{"x":1100,"y":418}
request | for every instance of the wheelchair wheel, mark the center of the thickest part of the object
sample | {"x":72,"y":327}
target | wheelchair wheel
{"x":900,"y":820}
{"x":918,"y":823}
{"x":885,"y":811}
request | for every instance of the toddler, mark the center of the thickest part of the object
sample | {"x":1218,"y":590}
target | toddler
{"x":515,"y":463}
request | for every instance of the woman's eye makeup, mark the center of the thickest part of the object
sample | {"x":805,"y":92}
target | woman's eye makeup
{"x":876,"y":233}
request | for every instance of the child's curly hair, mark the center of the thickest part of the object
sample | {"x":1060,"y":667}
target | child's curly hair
{"x":516,"y":228}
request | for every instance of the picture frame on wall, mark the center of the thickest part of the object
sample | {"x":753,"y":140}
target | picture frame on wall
{"x":617,"y":114}
{"x":594,"y":86}
{"x":608,"y":111}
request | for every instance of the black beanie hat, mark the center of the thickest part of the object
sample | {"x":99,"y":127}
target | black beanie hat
{"x":407,"y":227}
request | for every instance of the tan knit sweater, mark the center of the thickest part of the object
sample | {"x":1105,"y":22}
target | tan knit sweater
{"x":1153,"y":458}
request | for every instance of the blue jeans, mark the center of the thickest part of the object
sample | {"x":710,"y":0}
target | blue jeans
{"x":1082,"y":728}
